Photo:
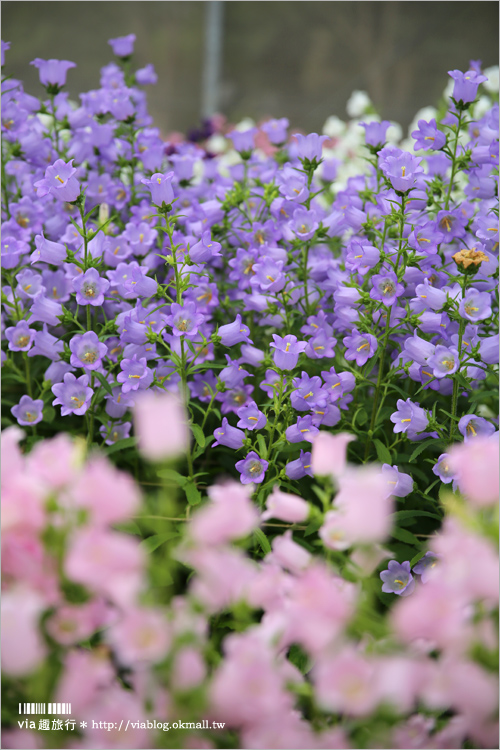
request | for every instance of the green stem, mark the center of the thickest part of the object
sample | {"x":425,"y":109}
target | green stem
{"x":185,"y":396}
{"x":277,"y":408}
{"x":454,"y":398}
{"x":386,"y":336}
{"x":90,"y":431}
{"x":454,"y":163}
{"x":28,"y":374}
{"x":209,"y":409}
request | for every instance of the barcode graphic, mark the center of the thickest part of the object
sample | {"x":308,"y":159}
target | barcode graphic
{"x":45,"y":708}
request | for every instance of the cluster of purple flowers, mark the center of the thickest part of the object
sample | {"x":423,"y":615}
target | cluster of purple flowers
{"x":398,"y":579}
{"x":134,"y":263}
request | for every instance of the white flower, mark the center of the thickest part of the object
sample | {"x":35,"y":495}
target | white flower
{"x":492,"y":83}
{"x":359,"y":102}
{"x":334,"y":127}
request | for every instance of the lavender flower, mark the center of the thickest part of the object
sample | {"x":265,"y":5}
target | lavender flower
{"x":442,"y":469}
{"x":428,"y":136}
{"x":73,"y":394}
{"x":409,"y":418}
{"x":386,"y":287}
{"x":360,"y":347}
{"x":205,"y":249}
{"x":308,"y":393}
{"x":472,"y":427}
{"x":243,"y":140}
{"x":234,"y":333}
{"x":52,"y":72}
{"x":286,"y":351}
{"x":303,"y":429}
{"x":87,"y":351}
{"x":112,"y":432}
{"x":251,"y":418}
{"x":425,"y":566}
{"x":185,"y":320}
{"x":466,"y":85}
{"x":301,"y":467}
{"x":59,"y":181}
{"x":475,"y":306}
{"x":400,"y":168}
{"x":229,"y":436}
{"x":20,"y":337}
{"x":47,"y":251}
{"x":276,"y":130}
{"x":252,"y":469}
{"x":135,"y":374}
{"x":444,"y":361}
{"x":28,"y":411}
{"x":398,"y":579}
{"x":123,"y":46}
{"x":398,"y":483}
{"x":375,"y":132}
{"x":90,"y":288}
{"x":161,"y":189}
{"x":310,"y":147}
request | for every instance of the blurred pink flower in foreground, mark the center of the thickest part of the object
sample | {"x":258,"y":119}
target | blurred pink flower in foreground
{"x":475,"y":466}
{"x":329,"y":453}
{"x":160,"y":425}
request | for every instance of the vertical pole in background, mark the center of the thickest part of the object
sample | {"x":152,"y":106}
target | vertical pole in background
{"x":212,"y":58}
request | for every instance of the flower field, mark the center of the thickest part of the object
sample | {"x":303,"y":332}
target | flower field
{"x":250,"y":423}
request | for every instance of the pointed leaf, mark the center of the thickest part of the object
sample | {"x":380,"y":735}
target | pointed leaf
{"x":263,"y":541}
{"x":100,"y":377}
{"x":198,"y":435}
{"x":120,"y":444}
{"x":192,"y":493}
{"x":383,"y":453}
{"x":173,"y":476}
{"x":153,"y":542}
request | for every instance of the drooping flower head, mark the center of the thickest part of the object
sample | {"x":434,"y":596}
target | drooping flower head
{"x":161,"y":188}
{"x":123,"y":46}
{"x":52,"y":72}
{"x":466,"y":84}
{"x":286,"y":351}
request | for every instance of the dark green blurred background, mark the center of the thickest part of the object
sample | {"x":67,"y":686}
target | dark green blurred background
{"x":301,"y":59}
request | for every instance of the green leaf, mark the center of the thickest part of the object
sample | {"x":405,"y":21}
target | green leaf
{"x":262,"y":447}
{"x":192,"y":493}
{"x":120,"y":444}
{"x":77,"y":227}
{"x":383,"y":453}
{"x":100,"y":377}
{"x":426,"y":443}
{"x":455,"y":419}
{"x":400,"y":515}
{"x":262,"y":540}
{"x":198,"y":435}
{"x":403,"y":535}
{"x":153,"y":542}
{"x":362,"y":417}
{"x":415,"y":559}
{"x":173,"y":476}
{"x":299,"y":658}
{"x":313,"y":526}
{"x":48,"y":414}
